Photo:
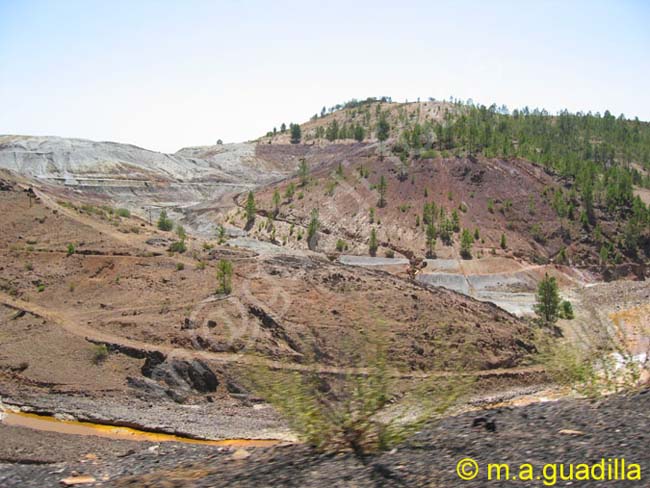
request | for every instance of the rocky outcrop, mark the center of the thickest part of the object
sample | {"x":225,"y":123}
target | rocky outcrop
{"x":177,"y":374}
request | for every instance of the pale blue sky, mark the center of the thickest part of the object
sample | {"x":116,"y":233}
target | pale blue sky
{"x":164,"y":74}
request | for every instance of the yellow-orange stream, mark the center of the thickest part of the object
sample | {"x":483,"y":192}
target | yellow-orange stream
{"x":75,"y":427}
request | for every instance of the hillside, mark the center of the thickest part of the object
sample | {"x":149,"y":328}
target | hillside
{"x":78,"y":279}
{"x":358,"y":120}
{"x":527,"y":184}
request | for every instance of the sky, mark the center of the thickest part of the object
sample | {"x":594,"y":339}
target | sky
{"x":165,"y":75}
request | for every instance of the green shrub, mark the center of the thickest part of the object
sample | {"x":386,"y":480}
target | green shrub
{"x":341,"y":245}
{"x":390,"y":253}
{"x":289,"y":192}
{"x":566,"y":310}
{"x":429,"y":154}
{"x":180,"y":266}
{"x":590,"y":369}
{"x":361,"y":413}
{"x":100,"y":353}
{"x":221,"y":233}
{"x":123,"y":212}
{"x":537,"y":234}
{"x":178,"y":246}
{"x":330,"y":186}
{"x":71,"y":249}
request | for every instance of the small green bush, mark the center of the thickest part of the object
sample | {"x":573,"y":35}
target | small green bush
{"x":123,"y":212}
{"x":178,"y":246}
{"x":362,"y":413}
{"x":566,"y":310}
{"x":100,"y":353}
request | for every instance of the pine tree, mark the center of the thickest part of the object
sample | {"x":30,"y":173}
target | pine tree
{"x":604,"y":255}
{"x":373,"y":245}
{"x":466,"y":241}
{"x":332,"y":131}
{"x":303,"y":172}
{"x":296,"y":133}
{"x":381,"y":188}
{"x":164,"y":223}
{"x":431,"y":240}
{"x":359,"y":133}
{"x":251,"y":210}
{"x":221,"y":234}
{"x":289,"y":192}
{"x":312,"y":229}
{"x":224,"y":277}
{"x":547,"y":305}
{"x":276,"y":201}
{"x":383,"y":131}
{"x":339,"y":170}
{"x":455,"y":221}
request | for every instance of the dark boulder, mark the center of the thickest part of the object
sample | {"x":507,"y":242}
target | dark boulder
{"x":181,"y":374}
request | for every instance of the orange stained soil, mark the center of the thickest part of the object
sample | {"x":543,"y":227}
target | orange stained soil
{"x":634,"y":327}
{"x":74,"y":427}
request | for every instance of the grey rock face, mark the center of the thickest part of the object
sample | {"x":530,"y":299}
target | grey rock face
{"x":84,"y":162}
{"x":140,"y":180}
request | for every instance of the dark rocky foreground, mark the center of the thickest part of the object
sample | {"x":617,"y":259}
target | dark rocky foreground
{"x":568,"y":431}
